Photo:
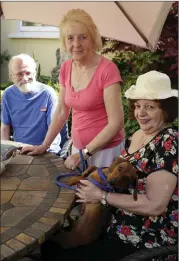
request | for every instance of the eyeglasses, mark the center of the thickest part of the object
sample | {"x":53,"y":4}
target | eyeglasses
{"x":21,"y":74}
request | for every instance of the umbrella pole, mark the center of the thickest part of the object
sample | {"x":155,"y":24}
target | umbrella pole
{"x":134,"y":25}
{"x":1,"y":11}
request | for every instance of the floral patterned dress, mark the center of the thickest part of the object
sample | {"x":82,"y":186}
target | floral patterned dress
{"x":150,"y":231}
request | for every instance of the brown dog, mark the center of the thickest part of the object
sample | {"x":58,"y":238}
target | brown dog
{"x":88,"y":227}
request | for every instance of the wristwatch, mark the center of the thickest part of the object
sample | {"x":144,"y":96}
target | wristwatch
{"x":86,"y":152}
{"x":103,"y":200}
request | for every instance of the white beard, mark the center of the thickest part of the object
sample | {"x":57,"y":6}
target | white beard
{"x":26,"y":87}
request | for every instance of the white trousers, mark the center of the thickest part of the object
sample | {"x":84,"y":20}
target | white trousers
{"x":103,"y":158}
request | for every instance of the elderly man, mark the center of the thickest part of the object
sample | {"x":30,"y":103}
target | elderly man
{"x":27,"y":105}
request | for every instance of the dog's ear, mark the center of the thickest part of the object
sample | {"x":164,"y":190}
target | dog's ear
{"x":116,"y":177}
{"x":116,"y":161}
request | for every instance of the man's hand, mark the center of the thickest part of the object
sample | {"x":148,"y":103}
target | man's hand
{"x":33,"y":150}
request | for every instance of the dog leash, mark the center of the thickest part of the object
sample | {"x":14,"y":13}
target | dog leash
{"x":64,"y":185}
{"x":107,"y":187}
{"x":84,"y":164}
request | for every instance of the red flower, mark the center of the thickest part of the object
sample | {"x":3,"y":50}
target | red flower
{"x":171,"y":233}
{"x":147,"y":223}
{"x":140,"y":186}
{"x":150,"y":242}
{"x":175,"y":215}
{"x":157,"y":139}
{"x":167,"y":144}
{"x":172,"y":258}
{"x":143,"y":165}
{"x":126,"y":231}
{"x":137,"y":156}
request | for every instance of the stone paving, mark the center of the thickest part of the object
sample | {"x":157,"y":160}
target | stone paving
{"x":32,"y":205}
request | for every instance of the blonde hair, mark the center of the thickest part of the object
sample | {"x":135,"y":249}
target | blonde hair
{"x":80,"y":16}
{"x":22,"y":57}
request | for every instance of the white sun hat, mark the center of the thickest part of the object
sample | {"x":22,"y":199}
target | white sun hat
{"x":152,"y":85}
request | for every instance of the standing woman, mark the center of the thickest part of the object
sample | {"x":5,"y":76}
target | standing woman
{"x":90,"y":85}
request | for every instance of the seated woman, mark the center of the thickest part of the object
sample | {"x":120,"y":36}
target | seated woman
{"x":151,"y":221}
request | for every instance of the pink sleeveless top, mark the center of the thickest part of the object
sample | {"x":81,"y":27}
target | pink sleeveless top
{"x":89,"y":115}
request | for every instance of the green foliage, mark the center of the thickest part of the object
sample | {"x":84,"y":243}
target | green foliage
{"x":4,"y":85}
{"x":38,"y":65}
{"x":135,"y":63}
{"x":49,"y":81}
{"x":55,"y":86}
{"x":175,"y":123}
{"x":4,"y":56}
{"x":45,"y":79}
{"x":131,"y":64}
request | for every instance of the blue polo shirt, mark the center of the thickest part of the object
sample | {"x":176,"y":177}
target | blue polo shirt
{"x":30,"y":114}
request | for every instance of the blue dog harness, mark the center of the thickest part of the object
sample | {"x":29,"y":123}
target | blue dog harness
{"x":106,"y":186}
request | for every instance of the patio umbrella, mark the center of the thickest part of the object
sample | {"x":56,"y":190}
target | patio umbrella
{"x":138,"y":23}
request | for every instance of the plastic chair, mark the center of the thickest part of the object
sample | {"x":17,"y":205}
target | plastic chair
{"x":152,"y":254}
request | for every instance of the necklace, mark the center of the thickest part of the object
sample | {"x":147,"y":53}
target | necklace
{"x":80,"y":75}
{"x":144,"y":141}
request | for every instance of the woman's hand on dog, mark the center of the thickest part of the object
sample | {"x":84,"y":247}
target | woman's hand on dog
{"x":88,"y":192}
{"x":72,"y":161}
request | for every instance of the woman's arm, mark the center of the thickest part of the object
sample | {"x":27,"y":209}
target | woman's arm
{"x":115,"y":114}
{"x":59,"y":118}
{"x":160,"y":186}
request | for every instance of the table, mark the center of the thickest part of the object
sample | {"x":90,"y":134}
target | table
{"x":32,"y":205}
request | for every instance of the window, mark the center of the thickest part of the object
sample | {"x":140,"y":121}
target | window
{"x":35,"y":30}
{"x":33,"y":27}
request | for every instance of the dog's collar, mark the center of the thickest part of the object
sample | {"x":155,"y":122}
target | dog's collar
{"x":107,"y":187}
